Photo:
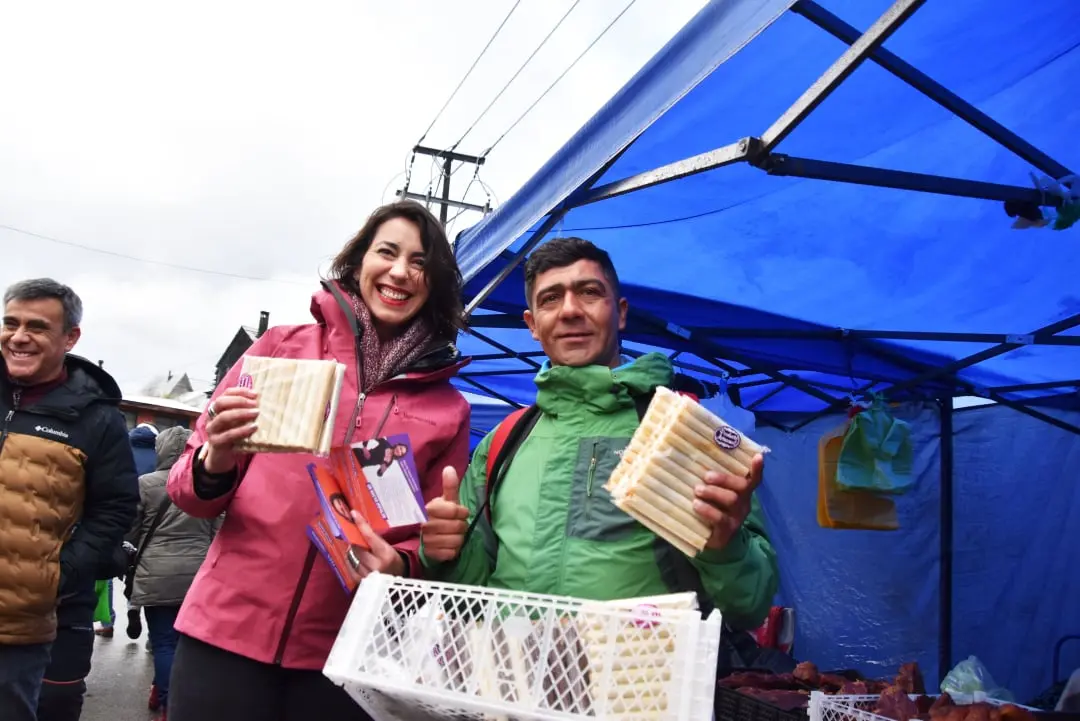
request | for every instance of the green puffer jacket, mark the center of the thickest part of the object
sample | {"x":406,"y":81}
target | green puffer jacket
{"x":559,"y":532}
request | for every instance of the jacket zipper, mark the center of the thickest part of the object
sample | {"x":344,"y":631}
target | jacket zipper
{"x":592,"y":472}
{"x":361,"y":395}
{"x":294,"y":607}
{"x":16,"y":396}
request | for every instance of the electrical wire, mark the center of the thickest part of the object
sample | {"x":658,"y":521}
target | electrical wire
{"x":464,"y":198}
{"x":469,"y":72}
{"x":515,"y":75}
{"x":558,"y":79}
{"x":161,"y":263}
{"x":387,"y":188}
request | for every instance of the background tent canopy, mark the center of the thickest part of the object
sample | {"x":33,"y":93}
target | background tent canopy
{"x":769,"y":266}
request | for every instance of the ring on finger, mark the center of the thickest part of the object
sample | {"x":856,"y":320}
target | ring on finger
{"x":211,"y":412}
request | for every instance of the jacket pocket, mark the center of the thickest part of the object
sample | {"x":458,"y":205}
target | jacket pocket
{"x":592,"y":515}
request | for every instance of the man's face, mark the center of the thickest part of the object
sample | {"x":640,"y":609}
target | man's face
{"x":575,"y":315}
{"x":33,"y":340}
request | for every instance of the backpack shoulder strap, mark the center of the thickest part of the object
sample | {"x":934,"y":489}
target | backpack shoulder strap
{"x":505,"y":442}
{"x":509,"y":435}
{"x":499,"y":438}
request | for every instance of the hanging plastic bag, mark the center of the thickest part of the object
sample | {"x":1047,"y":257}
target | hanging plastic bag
{"x":877,"y":452}
{"x":970,"y":681}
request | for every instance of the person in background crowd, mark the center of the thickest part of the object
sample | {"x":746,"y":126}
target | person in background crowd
{"x":68,"y":489}
{"x":143,"y":439}
{"x":264,"y":610}
{"x":170,"y":557}
{"x":553,"y":527}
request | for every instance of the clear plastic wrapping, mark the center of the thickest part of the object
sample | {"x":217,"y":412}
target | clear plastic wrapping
{"x":298,"y":401}
{"x":678,"y":441}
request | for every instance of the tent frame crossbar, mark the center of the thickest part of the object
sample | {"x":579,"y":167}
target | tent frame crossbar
{"x":695,"y":340}
{"x":950,"y":369}
{"x":758,"y":151}
{"x":934,"y":90}
{"x":508,"y":320}
{"x":856,"y":53}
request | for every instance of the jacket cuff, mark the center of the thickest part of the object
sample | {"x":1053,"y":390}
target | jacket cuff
{"x":733,"y":552}
{"x":209,"y":486}
{"x":408,"y":572}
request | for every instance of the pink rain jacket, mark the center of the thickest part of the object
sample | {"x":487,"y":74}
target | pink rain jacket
{"x":264,"y":591}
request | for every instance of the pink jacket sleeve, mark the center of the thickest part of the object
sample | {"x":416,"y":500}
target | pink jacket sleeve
{"x":456,"y":454}
{"x":181,"y":485}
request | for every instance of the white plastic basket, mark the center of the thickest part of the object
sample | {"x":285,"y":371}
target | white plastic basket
{"x":414,"y":649}
{"x":861,"y":708}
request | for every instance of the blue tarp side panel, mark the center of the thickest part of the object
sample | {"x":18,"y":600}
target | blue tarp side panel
{"x":862,"y":599}
{"x":1016,"y":586}
{"x":870,"y":600}
{"x":711,"y":37}
{"x":835,"y":254}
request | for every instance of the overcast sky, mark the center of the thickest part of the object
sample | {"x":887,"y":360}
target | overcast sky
{"x":253,"y":138}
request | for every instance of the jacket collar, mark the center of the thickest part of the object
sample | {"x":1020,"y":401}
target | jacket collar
{"x":86,"y":383}
{"x":601,"y":389}
{"x":331,"y":308}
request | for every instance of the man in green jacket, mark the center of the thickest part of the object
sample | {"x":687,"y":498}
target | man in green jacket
{"x":553,"y":527}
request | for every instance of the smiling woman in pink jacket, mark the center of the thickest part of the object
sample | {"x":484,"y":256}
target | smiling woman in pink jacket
{"x":263,"y":612}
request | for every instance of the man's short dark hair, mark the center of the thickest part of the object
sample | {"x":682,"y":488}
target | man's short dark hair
{"x":44,"y":288}
{"x":561,"y":252}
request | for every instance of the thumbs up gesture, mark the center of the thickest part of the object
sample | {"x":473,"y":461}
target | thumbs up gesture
{"x":444,"y":533}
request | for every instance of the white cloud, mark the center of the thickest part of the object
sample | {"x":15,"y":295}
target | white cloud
{"x":253,"y":138}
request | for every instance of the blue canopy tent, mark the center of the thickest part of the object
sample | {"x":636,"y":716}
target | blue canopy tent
{"x":877,"y":252}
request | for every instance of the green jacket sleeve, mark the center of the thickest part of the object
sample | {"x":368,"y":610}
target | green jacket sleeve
{"x":475,"y":563}
{"x":742,"y":578}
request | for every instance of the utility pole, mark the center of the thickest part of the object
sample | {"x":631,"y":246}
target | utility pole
{"x":448,"y":157}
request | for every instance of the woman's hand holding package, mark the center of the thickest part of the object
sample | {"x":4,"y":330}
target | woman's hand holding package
{"x":444,"y":533}
{"x":232,"y":418}
{"x":723,"y":500}
{"x":382,"y":557}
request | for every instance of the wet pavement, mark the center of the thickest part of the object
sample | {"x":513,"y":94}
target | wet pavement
{"x":119,"y":680}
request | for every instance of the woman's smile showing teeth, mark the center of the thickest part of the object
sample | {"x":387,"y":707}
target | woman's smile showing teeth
{"x":393,"y":296}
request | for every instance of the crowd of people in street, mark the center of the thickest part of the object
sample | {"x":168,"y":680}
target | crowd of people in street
{"x":211,"y":542}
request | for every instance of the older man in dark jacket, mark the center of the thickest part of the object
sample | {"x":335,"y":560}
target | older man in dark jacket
{"x":67,"y":480}
{"x":170,"y":558}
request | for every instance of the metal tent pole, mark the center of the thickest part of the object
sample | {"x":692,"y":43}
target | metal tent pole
{"x":945,"y":532}
{"x":934,"y":90}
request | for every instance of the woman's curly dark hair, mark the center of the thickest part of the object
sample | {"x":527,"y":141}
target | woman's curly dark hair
{"x":443,"y":311}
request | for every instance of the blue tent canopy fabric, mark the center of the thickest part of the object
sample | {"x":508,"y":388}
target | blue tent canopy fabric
{"x":923,"y":277}
{"x":849,"y":257}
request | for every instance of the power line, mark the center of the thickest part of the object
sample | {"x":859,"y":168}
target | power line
{"x":515,"y":75}
{"x":161,"y":263}
{"x":468,"y":72}
{"x":558,"y":79}
{"x":464,"y":196}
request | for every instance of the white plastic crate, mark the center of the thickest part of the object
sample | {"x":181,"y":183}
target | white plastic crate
{"x":861,"y":708}
{"x":413,"y":649}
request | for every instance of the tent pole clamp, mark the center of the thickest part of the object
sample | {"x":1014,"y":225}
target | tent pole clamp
{"x":1020,"y":339}
{"x":678,"y":330}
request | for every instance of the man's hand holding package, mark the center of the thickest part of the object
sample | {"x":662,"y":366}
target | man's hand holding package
{"x":444,"y":533}
{"x":723,"y":500}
